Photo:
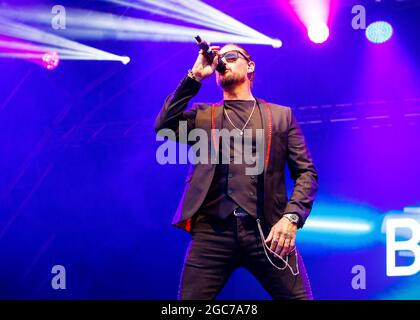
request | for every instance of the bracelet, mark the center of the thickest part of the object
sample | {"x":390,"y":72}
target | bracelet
{"x":192,"y":76}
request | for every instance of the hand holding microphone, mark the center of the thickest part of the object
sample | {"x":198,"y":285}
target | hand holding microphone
{"x":207,"y":61}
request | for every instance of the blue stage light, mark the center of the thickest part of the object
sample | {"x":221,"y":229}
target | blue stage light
{"x":379,"y":32}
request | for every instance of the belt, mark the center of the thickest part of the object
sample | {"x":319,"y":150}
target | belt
{"x":240,"y":213}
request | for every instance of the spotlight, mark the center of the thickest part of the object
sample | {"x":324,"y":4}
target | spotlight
{"x":336,"y":226}
{"x":318,"y":32}
{"x":91,"y":25}
{"x":314,"y":15}
{"x":379,"y":32}
{"x":50,"y":60}
{"x":48,"y":47}
{"x":276,"y":43}
{"x":125,"y":60}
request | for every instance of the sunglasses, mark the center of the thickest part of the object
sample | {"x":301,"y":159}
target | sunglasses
{"x":232,"y":56}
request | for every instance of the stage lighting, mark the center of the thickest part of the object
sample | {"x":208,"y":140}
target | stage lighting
{"x":314,"y":15}
{"x":91,"y":25}
{"x":277,"y":43}
{"x":125,"y":60}
{"x":339,"y":226}
{"x":379,"y":32}
{"x":191,"y":11}
{"x":35,"y":42}
{"x":50,"y":60}
{"x":318,"y":32}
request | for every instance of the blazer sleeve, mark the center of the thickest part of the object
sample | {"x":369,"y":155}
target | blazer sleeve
{"x":174,"y":108}
{"x":302,"y":171}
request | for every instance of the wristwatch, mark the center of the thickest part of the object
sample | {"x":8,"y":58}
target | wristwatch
{"x":292,"y":217}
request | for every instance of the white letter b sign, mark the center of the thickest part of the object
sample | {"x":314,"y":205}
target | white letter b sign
{"x":393,"y":246}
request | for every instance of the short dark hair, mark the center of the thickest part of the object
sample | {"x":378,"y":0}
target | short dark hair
{"x":251,"y":75}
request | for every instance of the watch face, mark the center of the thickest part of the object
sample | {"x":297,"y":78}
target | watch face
{"x":293,"y":217}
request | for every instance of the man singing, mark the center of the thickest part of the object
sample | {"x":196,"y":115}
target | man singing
{"x":237,"y":219}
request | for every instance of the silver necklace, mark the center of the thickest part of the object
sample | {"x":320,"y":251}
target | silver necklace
{"x":241,"y":132}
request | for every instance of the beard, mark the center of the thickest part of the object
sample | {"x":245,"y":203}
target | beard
{"x":229,"y":80}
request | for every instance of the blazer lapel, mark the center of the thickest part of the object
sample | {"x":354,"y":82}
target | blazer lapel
{"x":267,"y":122}
{"x":216,"y":124}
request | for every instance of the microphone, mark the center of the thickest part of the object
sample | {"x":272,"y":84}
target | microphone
{"x":209,"y":54}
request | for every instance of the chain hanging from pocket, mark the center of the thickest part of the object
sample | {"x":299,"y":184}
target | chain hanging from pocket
{"x":286,"y":261}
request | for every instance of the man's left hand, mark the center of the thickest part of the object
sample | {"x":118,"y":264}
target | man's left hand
{"x":282,"y":237}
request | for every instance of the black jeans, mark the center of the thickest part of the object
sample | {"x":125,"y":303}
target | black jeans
{"x":218,"y":247}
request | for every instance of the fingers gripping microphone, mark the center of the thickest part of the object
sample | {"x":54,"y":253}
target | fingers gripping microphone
{"x":209,"y":54}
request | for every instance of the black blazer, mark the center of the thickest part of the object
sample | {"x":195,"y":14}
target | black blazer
{"x":284,"y":144}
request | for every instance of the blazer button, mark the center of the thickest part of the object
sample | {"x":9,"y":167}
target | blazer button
{"x":230,"y":175}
